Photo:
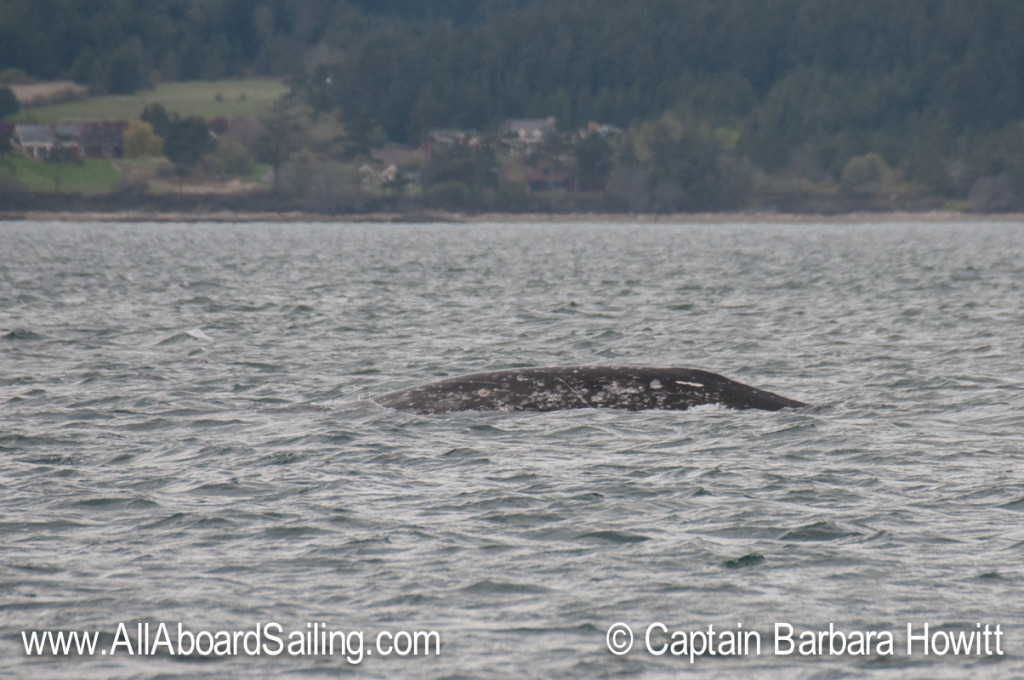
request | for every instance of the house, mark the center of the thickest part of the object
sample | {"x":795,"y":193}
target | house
{"x":523,"y":133}
{"x":397,"y":155}
{"x":102,"y":139}
{"x":603,"y":129}
{"x":75,"y":140}
{"x":35,"y":141}
{"x":441,"y":138}
{"x":549,"y":175}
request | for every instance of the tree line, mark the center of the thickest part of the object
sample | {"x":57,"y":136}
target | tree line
{"x":118,"y":46}
{"x":725,"y":102}
{"x":781,"y":94}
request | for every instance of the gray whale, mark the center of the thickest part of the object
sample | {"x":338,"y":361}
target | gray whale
{"x":630,"y":388}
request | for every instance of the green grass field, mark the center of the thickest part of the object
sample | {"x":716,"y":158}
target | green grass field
{"x":100,"y":176}
{"x":208,"y":99}
{"x":92,"y":176}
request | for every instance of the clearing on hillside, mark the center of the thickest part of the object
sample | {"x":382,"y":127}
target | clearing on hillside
{"x":207,"y":99}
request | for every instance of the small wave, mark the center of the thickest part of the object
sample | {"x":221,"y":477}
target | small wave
{"x":285,"y":458}
{"x":204,"y":423}
{"x":613,"y":537}
{"x":291,"y":532}
{"x":15,"y":442}
{"x":221,"y":489}
{"x":748,"y":560}
{"x":367,"y":547}
{"x":22,"y":335}
{"x":185,"y":336}
{"x":488,"y":587}
{"x":114,"y":502}
{"x":410,"y":599}
{"x":463,"y":453}
{"x":147,"y":425}
{"x":1016,"y":506}
{"x":525,"y":519}
{"x":819,"y":531}
{"x":36,"y":528}
{"x":261,"y":366}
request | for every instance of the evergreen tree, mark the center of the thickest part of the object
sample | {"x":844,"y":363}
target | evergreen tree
{"x":186,"y":141}
{"x":275,"y":145}
{"x":8,"y":102}
{"x":156,"y":116}
{"x":593,"y":162}
{"x":127,"y":71}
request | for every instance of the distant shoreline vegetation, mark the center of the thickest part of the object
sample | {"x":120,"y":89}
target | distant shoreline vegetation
{"x":662,"y":107}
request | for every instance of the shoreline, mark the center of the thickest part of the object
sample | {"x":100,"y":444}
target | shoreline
{"x":439,"y":217}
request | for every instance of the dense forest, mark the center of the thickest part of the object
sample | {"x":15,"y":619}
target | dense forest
{"x":96,"y":43}
{"x":725,"y":103}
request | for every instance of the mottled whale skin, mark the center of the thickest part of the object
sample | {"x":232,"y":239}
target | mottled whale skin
{"x":630,"y":388}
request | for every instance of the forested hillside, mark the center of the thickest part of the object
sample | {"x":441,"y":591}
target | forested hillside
{"x":923,"y":97}
{"x":99,"y":43}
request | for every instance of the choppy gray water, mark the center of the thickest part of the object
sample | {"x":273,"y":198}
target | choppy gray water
{"x":186,"y":436}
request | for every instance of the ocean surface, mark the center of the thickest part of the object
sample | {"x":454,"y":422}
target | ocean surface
{"x":187,"y":437}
